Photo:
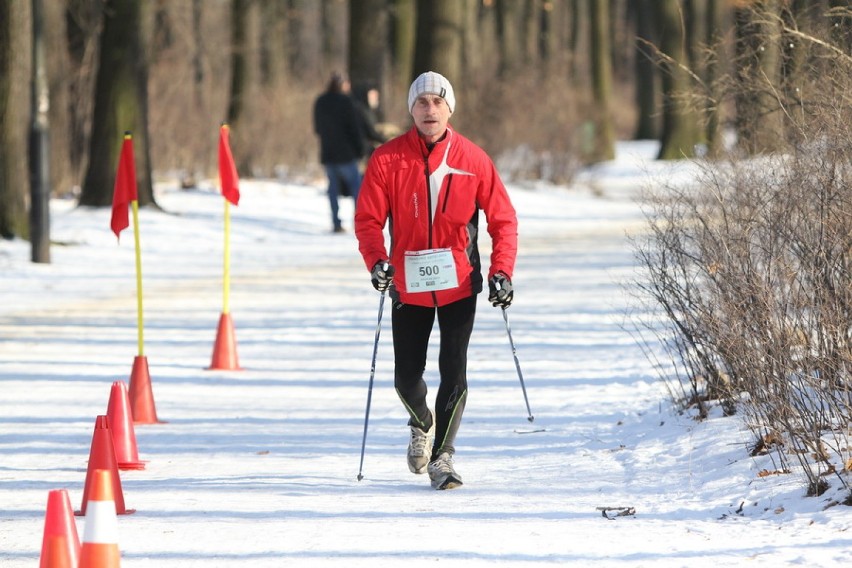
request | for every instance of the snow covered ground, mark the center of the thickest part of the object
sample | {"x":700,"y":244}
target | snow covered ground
{"x":258,"y":467}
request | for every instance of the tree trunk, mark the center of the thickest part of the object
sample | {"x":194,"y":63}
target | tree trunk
{"x":401,"y":30}
{"x":82,"y":27}
{"x":647,"y":77}
{"x":680,"y":125}
{"x":368,"y":42}
{"x":604,"y":141}
{"x":472,"y":52}
{"x":308,"y":46}
{"x":62,"y":173}
{"x":238,"y":95}
{"x":509,"y":20}
{"x":759,"y":117}
{"x":273,"y":65}
{"x":335,"y":34}
{"x":198,"y":55}
{"x":549,"y":34}
{"x":121,"y":105}
{"x":440,"y":38}
{"x":239,"y":47}
{"x":715,"y":31}
{"x":531,"y":32}
{"x":14,"y":114}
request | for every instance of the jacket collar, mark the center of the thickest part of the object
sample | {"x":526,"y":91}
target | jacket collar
{"x":425,"y":151}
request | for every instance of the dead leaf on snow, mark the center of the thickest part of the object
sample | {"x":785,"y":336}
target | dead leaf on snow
{"x":767,"y":473}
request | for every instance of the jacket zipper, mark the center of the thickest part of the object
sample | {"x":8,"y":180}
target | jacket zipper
{"x":431,"y":220}
{"x":447,"y":196}
{"x":428,"y":198}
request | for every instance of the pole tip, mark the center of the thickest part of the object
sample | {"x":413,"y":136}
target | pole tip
{"x":360,"y":477}
{"x":531,"y":418}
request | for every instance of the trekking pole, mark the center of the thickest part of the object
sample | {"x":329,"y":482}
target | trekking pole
{"x":530,"y":417}
{"x":370,"y":387}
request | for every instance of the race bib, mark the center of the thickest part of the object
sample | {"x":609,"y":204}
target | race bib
{"x":430,"y":270}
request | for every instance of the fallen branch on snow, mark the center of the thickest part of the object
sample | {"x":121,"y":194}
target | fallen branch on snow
{"x":622,"y":512}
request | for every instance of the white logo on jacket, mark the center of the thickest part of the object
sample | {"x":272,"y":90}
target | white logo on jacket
{"x":436,"y":178}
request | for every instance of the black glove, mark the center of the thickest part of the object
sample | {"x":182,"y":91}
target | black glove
{"x":500,"y":291}
{"x":382,"y":275}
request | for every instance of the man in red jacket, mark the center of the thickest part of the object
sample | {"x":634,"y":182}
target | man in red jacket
{"x":429,"y":185}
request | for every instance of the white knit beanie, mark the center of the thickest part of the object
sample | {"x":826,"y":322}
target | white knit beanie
{"x":434,"y":84}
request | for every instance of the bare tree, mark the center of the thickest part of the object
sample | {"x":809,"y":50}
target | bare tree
{"x":335,"y":34}
{"x":368,"y":42}
{"x":681,"y":130}
{"x":604,"y":145}
{"x":439,"y":38}
{"x":646,"y":72}
{"x":498,"y":48}
{"x":274,"y":71}
{"x":310,"y":39}
{"x":509,"y":45}
{"x":717,"y":54}
{"x":14,"y":105}
{"x":239,"y":64}
{"x":759,"y":117}
{"x":63,"y":177}
{"x":121,"y":105}
{"x":83,"y":22}
{"x":403,"y":32}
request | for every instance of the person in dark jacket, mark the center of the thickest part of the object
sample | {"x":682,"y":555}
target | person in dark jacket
{"x":337,"y":123}
{"x":367,"y":99}
{"x":428,"y":186}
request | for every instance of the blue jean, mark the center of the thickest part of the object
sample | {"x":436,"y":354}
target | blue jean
{"x":347,"y":173}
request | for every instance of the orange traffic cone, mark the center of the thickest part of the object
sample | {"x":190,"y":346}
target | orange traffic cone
{"x":60,"y":547}
{"x":121,"y":426}
{"x":102,"y":456}
{"x":141,"y":396}
{"x":54,"y":553}
{"x":225,"y":348}
{"x":100,"y":536}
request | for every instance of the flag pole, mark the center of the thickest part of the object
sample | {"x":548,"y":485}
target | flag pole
{"x":225,"y":348}
{"x":140,"y":393}
{"x":226,"y":278}
{"x":139,"y":318}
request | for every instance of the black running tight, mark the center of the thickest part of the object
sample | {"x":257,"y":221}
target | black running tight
{"x":412,"y":326}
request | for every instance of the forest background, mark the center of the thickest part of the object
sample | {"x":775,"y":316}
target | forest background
{"x":544,"y":85}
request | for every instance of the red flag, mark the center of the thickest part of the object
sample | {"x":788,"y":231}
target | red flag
{"x":125,"y":187}
{"x":227,"y":169}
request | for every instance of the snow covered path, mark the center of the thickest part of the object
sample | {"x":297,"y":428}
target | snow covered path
{"x":258,"y":467}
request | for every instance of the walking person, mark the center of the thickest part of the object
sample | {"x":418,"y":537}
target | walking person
{"x":367,"y":98}
{"x":337,"y":123}
{"x":429,"y":185}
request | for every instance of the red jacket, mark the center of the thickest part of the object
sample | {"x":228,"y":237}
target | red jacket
{"x":396,"y":190}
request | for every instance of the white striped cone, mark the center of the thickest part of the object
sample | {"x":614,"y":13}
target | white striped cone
{"x":100,"y":537}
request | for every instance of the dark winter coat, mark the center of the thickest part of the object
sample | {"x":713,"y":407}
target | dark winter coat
{"x":432,"y":200}
{"x":372,"y":137}
{"x":338,"y":125}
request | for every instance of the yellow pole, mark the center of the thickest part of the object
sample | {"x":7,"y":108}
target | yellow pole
{"x":226,"y":281}
{"x":135,"y":206}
